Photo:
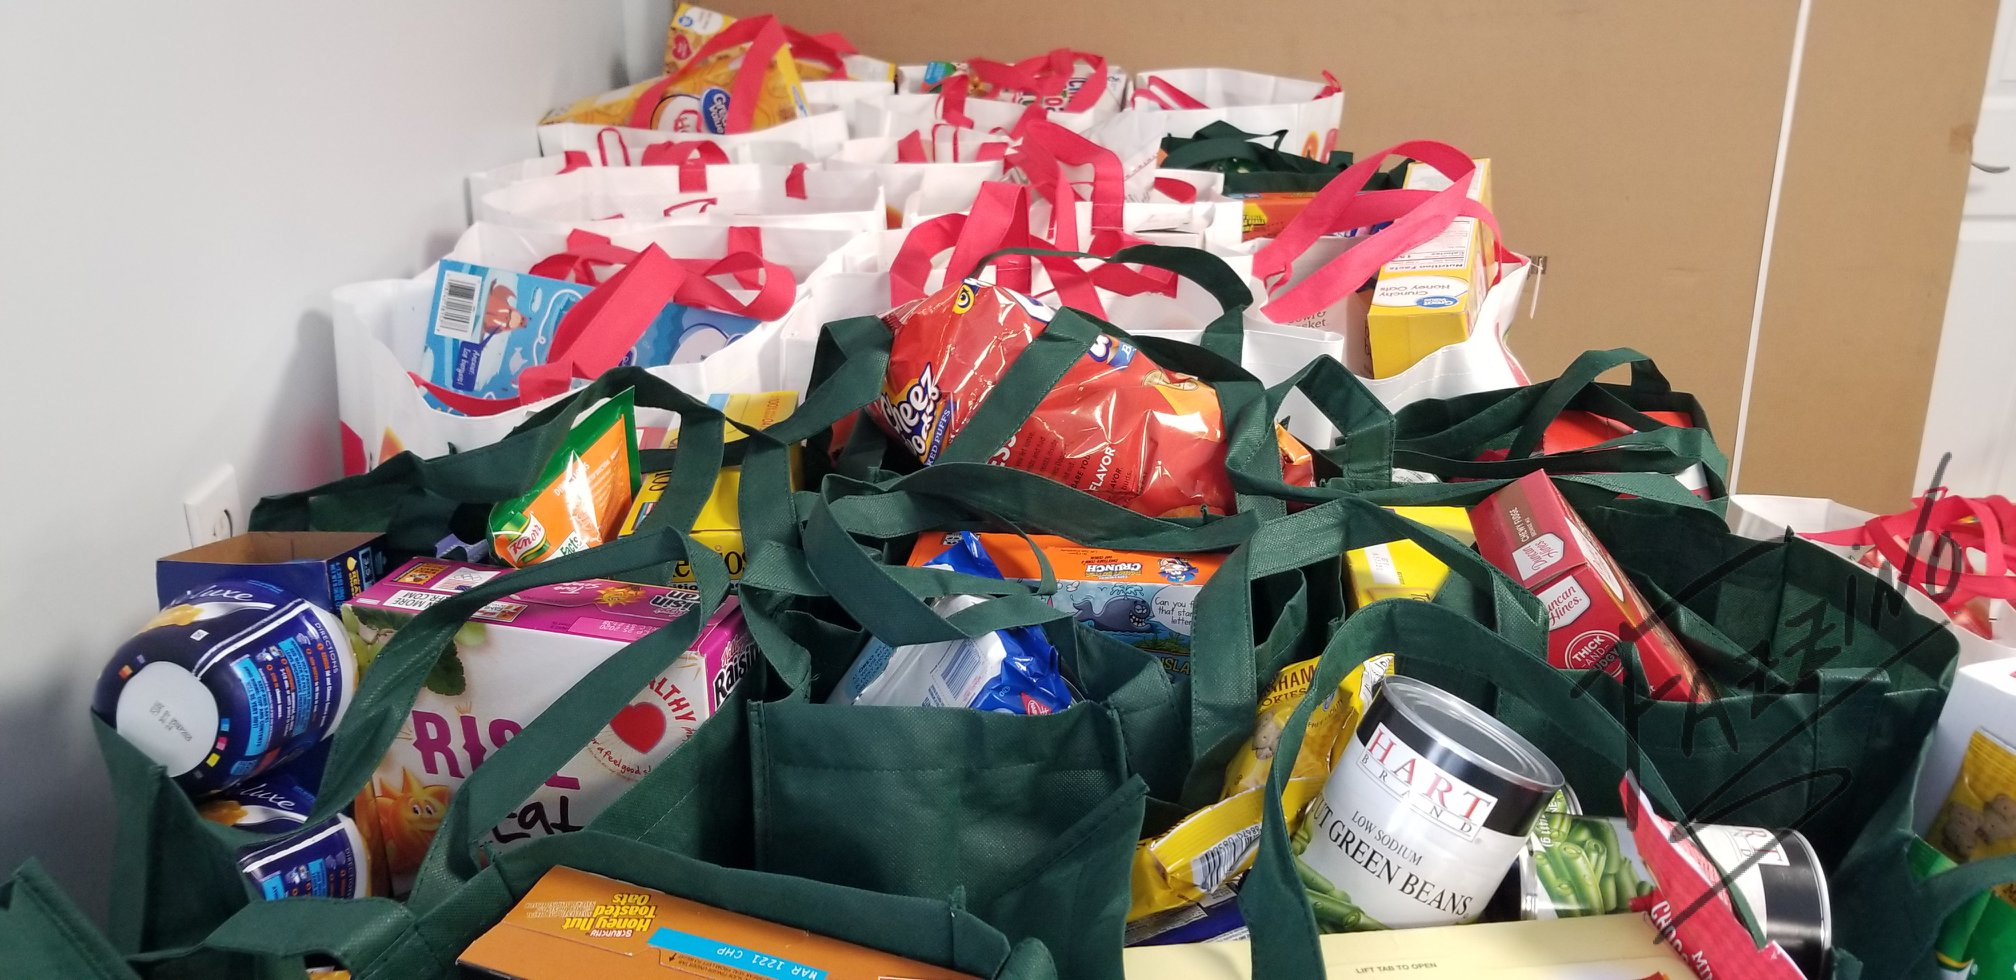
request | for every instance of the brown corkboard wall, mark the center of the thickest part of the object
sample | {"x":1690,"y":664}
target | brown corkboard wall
{"x":1633,"y":145}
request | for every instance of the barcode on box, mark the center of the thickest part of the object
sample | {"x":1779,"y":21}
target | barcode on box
{"x":1210,"y":869}
{"x":960,"y":669}
{"x":455,"y":307}
{"x":415,"y":601}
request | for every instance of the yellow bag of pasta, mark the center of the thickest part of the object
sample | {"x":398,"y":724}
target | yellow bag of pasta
{"x":742,"y":79}
{"x":1207,"y":848}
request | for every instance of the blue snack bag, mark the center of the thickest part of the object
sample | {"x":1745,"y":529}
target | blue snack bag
{"x":1013,"y":671}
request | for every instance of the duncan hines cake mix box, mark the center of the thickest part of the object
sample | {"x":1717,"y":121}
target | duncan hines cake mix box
{"x":1528,"y":530}
{"x":504,"y":667}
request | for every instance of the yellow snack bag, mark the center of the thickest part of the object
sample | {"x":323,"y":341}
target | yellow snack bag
{"x":1979,"y":818}
{"x":1336,"y":715}
{"x":1195,"y":857}
{"x":1403,"y":569}
{"x":817,"y":57}
{"x":742,"y":79}
{"x":581,"y":497}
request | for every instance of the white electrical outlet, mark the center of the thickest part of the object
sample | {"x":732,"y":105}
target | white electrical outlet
{"x":213,"y":508}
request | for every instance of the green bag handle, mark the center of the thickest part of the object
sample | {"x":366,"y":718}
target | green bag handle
{"x":410,"y":498}
{"x":1579,"y":377}
{"x":1285,"y":938}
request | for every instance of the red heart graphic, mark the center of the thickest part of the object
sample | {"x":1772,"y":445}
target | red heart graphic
{"x":640,"y":725}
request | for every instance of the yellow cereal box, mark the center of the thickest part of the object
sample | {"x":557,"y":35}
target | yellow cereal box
{"x":1403,"y":569}
{"x":817,"y":57}
{"x":719,"y":525}
{"x":1428,"y":298}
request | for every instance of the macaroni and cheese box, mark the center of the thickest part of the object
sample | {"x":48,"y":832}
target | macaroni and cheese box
{"x":511,"y":661}
{"x":1528,"y":530}
{"x":323,"y":567}
{"x":1428,"y":298}
{"x":488,"y":325}
{"x":1141,"y":599}
{"x":576,"y":924}
{"x":719,"y":525}
{"x":1403,"y":569}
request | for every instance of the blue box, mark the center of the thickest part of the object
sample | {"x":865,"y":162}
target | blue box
{"x":323,"y":567}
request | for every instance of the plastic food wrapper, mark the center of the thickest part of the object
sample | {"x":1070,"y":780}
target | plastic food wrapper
{"x":693,"y":26}
{"x":1013,"y":671}
{"x":582,"y":496}
{"x":1213,"y":918}
{"x":1979,"y":818}
{"x":1208,"y":848}
{"x":1956,"y":937}
{"x":699,"y":97}
{"x":1117,"y":425}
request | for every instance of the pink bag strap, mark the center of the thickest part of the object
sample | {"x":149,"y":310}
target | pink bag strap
{"x":1343,"y":204}
{"x":998,"y":219}
{"x":910,"y":149}
{"x":764,"y":36}
{"x":1180,"y":191}
{"x":572,"y":160}
{"x":585,"y":250}
{"x":692,"y":157}
{"x":1160,"y":92}
{"x":1984,"y":524}
{"x":1046,"y":149}
{"x":1047,"y":76}
{"x":794,"y":182}
{"x":1330,"y":86}
{"x":699,"y":204}
{"x":602,"y":138}
{"x":828,"y":49}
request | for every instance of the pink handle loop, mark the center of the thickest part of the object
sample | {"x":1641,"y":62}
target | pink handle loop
{"x":1343,"y":204}
{"x":602,"y":137}
{"x":1981,"y":524}
{"x":794,"y":182}
{"x":572,"y":160}
{"x":692,"y":157}
{"x":1163,"y":94}
{"x":584,"y":251}
{"x":1180,"y":191}
{"x":910,"y":149}
{"x":1046,"y":149}
{"x":829,"y":50}
{"x":765,"y":38}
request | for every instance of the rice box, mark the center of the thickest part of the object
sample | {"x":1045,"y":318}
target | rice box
{"x":1139,"y":598}
{"x":510,"y":662}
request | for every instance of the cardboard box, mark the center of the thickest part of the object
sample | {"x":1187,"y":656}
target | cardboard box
{"x":719,"y":525}
{"x":1599,"y":947}
{"x":1141,"y":599}
{"x":323,"y":567}
{"x":1428,"y":298}
{"x":1530,"y":532}
{"x":575,"y":924}
{"x":508,"y":664}
{"x":1574,"y":429}
{"x":1403,"y":569}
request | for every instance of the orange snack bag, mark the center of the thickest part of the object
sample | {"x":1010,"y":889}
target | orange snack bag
{"x":581,"y":497}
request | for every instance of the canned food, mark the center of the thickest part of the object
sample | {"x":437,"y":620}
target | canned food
{"x":228,"y":682}
{"x":327,"y":860}
{"x":1426,"y":810}
{"x":1576,"y":866}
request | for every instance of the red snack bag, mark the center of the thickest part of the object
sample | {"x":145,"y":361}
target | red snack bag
{"x":1117,"y":425}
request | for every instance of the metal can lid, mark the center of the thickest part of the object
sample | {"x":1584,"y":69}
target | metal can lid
{"x":1472,"y":734}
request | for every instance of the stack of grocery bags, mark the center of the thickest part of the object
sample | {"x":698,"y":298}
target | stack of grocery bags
{"x":996,"y":519}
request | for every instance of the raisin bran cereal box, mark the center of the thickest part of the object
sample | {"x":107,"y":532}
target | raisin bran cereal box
{"x":1528,"y":530}
{"x":510,"y":662}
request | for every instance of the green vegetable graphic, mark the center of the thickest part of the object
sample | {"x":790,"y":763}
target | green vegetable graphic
{"x":1332,"y":906}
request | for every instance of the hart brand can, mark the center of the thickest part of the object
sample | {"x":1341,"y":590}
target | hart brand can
{"x":1427,"y":808}
{"x":1576,"y":866}
{"x":327,"y":860}
{"x":228,"y":682}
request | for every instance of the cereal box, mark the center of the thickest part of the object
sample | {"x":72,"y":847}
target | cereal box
{"x":1141,"y":599}
{"x":719,"y":525}
{"x":1428,"y":298}
{"x":505,"y":666}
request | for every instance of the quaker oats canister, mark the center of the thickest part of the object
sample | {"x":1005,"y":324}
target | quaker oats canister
{"x":1429,"y":805}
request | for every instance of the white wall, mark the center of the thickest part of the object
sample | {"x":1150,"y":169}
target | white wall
{"x":180,"y":187}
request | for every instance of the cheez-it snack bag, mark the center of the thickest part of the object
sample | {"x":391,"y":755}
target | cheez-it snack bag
{"x":1117,"y":425}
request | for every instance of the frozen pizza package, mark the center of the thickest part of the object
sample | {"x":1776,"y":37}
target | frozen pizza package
{"x":1117,"y":425}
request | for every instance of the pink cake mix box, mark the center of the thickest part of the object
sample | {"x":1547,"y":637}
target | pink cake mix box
{"x":510,"y":662}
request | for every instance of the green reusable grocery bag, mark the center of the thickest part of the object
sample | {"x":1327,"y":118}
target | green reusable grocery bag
{"x":1252,"y":166}
{"x":179,"y":877}
{"x":1388,"y":455}
{"x":42,"y":934}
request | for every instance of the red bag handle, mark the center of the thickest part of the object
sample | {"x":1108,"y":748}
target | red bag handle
{"x":1993,"y":521}
{"x":1045,"y":150}
{"x":764,"y":36}
{"x":1180,"y":191}
{"x":572,"y":160}
{"x":692,"y":157}
{"x":998,"y":219}
{"x":794,"y":182}
{"x":1163,"y":94}
{"x":1343,"y":204}
{"x":826,"y":49}
{"x":1046,"y":76}
{"x":602,"y":145}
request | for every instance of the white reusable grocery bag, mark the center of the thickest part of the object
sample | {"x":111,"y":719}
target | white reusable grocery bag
{"x":940,"y":187}
{"x":611,"y":199}
{"x":1182,"y":101}
{"x":820,"y":133}
{"x":380,"y":336}
{"x":740,"y":151}
{"x":1767,"y":517}
{"x":838,"y":93}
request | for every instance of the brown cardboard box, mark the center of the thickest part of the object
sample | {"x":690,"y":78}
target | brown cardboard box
{"x":575,"y":924}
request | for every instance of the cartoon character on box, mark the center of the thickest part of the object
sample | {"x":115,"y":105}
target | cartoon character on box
{"x":1177,"y":570}
{"x":500,"y":310}
{"x":407,"y":819}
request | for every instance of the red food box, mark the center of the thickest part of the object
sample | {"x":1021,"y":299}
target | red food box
{"x":1528,"y":530}
{"x":1575,"y":429}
